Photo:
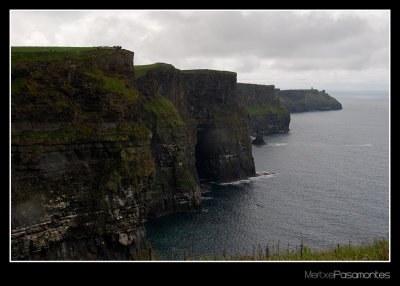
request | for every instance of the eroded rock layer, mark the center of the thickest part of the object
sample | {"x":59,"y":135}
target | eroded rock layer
{"x":82,"y":167}
{"x":200,"y":132}
{"x":95,"y":151}
{"x":264,"y":109}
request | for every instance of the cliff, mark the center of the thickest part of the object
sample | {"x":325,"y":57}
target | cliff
{"x":200,"y":132}
{"x":97,"y":148}
{"x":264,"y":109}
{"x":81,"y":162}
{"x":301,"y":100}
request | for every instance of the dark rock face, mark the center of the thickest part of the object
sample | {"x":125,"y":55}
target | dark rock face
{"x":81,"y":161}
{"x":301,"y":100}
{"x":200,"y":132}
{"x":95,"y":152}
{"x":264,"y":109}
{"x":174,"y":188}
{"x":224,"y":146}
{"x":259,"y":140}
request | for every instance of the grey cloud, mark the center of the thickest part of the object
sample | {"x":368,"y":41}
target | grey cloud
{"x":243,"y":41}
{"x":282,"y":35}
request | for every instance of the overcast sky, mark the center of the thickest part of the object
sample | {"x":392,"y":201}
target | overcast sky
{"x":292,"y":49}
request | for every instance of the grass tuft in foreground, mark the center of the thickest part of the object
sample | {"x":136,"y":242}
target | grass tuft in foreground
{"x":378,"y":250}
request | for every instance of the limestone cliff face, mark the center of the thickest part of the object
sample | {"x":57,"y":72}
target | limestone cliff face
{"x":81,"y":161}
{"x":200,"y":132}
{"x":174,"y":188}
{"x":301,"y":100}
{"x":95,"y":151}
{"x":264,"y":109}
{"x":223,"y":143}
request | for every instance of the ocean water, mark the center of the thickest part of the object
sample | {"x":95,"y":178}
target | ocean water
{"x":325,"y":182}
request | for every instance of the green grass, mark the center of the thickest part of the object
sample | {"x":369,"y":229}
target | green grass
{"x":164,"y":110}
{"x":141,"y":70}
{"x":37,"y":49}
{"x":17,"y":84}
{"x":21,"y":54}
{"x":266,"y":108}
{"x":377,"y":250}
{"x":114,"y":85}
{"x":80,"y":130}
{"x":208,"y":71}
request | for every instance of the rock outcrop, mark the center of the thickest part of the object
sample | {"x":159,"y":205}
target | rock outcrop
{"x":301,"y":100}
{"x":264,"y":109}
{"x":259,"y":140}
{"x":200,"y":132}
{"x":81,"y":161}
{"x":95,"y":152}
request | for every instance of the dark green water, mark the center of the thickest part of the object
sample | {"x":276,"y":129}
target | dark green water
{"x":330,"y":185}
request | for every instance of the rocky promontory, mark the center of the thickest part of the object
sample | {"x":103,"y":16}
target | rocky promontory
{"x":301,"y":100}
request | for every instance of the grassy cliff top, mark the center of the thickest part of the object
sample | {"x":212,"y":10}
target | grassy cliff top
{"x":141,"y":70}
{"x":207,"y":71}
{"x":61,"y":86}
{"x":245,"y":84}
{"x":36,"y":49}
{"x":21,"y":54}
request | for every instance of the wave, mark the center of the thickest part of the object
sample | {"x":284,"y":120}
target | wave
{"x":359,"y":145}
{"x":259,"y":175}
{"x":264,"y":174}
{"x":276,"y":144}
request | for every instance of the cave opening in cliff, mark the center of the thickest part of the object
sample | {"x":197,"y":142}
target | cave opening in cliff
{"x":204,"y":150}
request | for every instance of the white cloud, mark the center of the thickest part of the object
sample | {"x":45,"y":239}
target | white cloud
{"x":36,"y":37}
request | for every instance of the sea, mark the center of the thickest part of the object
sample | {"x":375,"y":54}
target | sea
{"x":325,"y":182}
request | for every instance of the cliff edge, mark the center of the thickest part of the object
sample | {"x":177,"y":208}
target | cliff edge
{"x":301,"y":100}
